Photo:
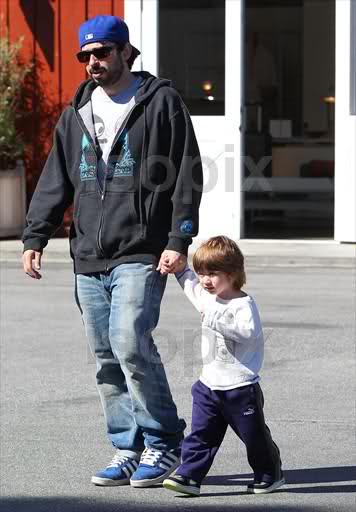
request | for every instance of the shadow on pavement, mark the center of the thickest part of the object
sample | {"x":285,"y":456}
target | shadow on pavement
{"x":59,"y":504}
{"x":293,"y":477}
{"x":290,"y":490}
{"x":330,"y":475}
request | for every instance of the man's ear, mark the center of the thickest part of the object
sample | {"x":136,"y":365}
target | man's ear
{"x":126,"y":52}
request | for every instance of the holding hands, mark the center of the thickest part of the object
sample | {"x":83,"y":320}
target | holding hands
{"x":171,"y":261}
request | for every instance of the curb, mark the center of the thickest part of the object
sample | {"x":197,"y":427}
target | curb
{"x":251,"y":261}
{"x":258,"y":253}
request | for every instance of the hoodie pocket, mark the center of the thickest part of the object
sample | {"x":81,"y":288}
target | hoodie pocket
{"x":121,"y":226}
{"x":87,"y":221}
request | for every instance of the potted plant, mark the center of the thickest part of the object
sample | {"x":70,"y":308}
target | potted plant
{"x":12,"y":176}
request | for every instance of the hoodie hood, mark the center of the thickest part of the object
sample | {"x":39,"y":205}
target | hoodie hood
{"x":148,"y":87}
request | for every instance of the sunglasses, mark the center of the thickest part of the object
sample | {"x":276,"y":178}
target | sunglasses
{"x":99,"y":53}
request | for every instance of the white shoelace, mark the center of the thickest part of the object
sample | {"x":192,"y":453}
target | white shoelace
{"x":118,"y":460}
{"x":150,"y":456}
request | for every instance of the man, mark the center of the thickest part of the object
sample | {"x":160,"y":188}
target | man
{"x":125,"y":154}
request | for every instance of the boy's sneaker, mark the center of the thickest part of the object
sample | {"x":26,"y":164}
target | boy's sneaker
{"x":155,"y":465}
{"x":182,"y":484}
{"x":265,"y":487}
{"x":118,"y":472}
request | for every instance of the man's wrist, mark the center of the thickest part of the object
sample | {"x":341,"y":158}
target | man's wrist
{"x":179,"y":245}
{"x":33,"y":244}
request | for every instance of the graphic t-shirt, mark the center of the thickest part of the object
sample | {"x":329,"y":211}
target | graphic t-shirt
{"x":109,"y":112}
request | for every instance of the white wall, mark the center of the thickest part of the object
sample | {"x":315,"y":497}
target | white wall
{"x":219,"y":143}
{"x":345,"y":132}
{"x":140,"y":16}
{"x":132,"y":16}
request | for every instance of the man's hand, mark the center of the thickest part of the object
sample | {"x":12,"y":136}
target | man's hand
{"x":32,"y":263}
{"x":171,"y":261}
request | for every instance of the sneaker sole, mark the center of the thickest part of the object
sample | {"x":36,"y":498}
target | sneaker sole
{"x":273,"y":487}
{"x":147,"y":482}
{"x":173,"y":486}
{"x":107,"y":482}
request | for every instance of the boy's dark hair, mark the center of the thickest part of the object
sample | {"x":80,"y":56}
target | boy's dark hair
{"x":221,"y":254}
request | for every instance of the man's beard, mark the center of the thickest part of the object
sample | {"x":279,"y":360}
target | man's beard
{"x":109,"y":77}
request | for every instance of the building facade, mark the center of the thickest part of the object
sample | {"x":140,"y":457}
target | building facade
{"x":270,"y":86}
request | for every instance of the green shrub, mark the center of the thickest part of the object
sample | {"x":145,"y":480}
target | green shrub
{"x":12,"y":75}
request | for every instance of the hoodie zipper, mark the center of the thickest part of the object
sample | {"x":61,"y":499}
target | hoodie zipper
{"x":102,"y":192}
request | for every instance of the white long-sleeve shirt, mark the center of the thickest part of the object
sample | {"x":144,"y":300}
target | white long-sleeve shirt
{"x":232,"y":337}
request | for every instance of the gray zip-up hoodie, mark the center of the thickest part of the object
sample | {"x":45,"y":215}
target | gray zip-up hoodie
{"x":152,"y":191}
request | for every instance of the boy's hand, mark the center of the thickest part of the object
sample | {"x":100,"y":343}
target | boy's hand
{"x":171,"y":261}
{"x":181,"y":265}
{"x":31,"y":261}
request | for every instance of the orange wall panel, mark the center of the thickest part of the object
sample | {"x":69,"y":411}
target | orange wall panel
{"x":72,"y":72}
{"x":18,"y":27}
{"x":3,"y":17}
{"x":96,"y":7}
{"x":118,"y":8}
{"x":49,"y":28}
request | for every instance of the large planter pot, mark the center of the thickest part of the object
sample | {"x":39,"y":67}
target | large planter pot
{"x":12,"y":201}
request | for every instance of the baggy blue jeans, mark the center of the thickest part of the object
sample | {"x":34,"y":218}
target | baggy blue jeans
{"x":120,"y":309}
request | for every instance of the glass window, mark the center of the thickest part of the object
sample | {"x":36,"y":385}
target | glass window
{"x":192,"y":52}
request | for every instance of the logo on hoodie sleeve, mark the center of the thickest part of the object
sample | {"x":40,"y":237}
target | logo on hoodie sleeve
{"x":186,"y":227}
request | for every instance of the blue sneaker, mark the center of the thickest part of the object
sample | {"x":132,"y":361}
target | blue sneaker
{"x":155,"y":465}
{"x":118,"y":472}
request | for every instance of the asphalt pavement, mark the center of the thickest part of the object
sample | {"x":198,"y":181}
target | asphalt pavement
{"x":52,"y":428}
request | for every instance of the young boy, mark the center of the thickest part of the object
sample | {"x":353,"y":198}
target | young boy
{"x":227,"y":392}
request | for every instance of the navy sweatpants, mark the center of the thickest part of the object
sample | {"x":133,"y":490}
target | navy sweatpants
{"x":213,"y":411}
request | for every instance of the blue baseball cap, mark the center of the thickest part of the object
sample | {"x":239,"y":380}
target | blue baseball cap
{"x":105,"y":28}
